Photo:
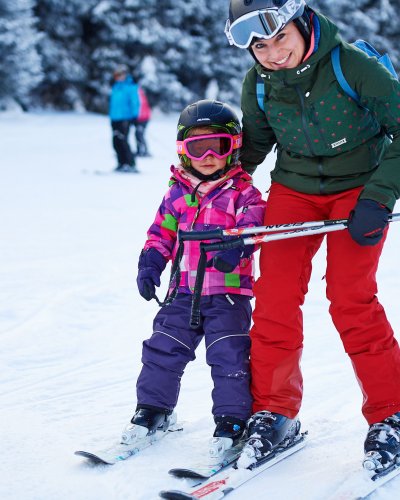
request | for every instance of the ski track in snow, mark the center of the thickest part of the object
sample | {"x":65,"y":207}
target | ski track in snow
{"x":72,"y":324}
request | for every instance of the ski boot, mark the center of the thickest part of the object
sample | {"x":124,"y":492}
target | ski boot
{"x":382,"y":445}
{"x":267,"y":431}
{"x":146,"y":422}
{"x":228,"y":432}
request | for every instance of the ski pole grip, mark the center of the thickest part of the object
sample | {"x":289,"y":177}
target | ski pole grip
{"x":199,"y":235}
{"x":222,"y":245}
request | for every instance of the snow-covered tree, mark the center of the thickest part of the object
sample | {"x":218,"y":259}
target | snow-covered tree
{"x":175,"y":48}
{"x":20,"y":66}
{"x":64,"y":52}
{"x":178,"y":50}
{"x":118,"y":32}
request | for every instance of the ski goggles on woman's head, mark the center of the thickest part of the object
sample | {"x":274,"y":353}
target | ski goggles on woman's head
{"x":198,"y":147}
{"x":263,"y":23}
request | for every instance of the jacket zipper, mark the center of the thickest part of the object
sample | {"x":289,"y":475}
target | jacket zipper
{"x":308,"y":139}
{"x":303,"y":119}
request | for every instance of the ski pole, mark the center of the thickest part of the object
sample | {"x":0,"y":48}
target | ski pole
{"x":237,"y":243}
{"x":311,"y":228}
{"x":243,"y":231}
{"x":264,"y":238}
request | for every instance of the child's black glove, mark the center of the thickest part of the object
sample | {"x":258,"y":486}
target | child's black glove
{"x":151,"y":265}
{"x":367,"y":222}
{"x":226,"y":260}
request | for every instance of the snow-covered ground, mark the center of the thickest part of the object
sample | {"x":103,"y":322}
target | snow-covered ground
{"x":72,"y":324}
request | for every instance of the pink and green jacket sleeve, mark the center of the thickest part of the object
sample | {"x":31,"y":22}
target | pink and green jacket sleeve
{"x":235,"y":202}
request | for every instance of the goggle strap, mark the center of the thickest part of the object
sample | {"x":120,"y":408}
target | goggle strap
{"x":227,"y":32}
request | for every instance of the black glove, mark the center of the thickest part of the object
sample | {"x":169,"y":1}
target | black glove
{"x":367,"y":222}
{"x":226,"y":260}
{"x":151,"y":265}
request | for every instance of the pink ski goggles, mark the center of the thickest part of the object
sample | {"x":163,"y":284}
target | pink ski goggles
{"x":199,"y":147}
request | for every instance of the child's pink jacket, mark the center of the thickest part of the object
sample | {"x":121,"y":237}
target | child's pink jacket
{"x":232,"y":202}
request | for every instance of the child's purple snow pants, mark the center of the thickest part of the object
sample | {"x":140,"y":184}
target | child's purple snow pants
{"x":225,"y":324}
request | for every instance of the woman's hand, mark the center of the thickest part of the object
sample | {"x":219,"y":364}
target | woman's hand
{"x":368,"y":221}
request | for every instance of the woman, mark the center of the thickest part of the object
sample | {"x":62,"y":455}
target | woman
{"x":334,"y":160}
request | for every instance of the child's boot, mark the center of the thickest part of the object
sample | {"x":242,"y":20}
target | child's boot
{"x":145,"y":422}
{"x":228,"y":432}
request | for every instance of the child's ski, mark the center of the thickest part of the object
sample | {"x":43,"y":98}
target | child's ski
{"x":228,"y":480}
{"x":204,"y":471}
{"x":121,"y":451}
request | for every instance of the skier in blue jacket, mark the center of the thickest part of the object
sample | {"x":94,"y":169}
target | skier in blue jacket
{"x":124,"y":107}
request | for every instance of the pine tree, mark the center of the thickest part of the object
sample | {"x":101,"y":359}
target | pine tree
{"x":64,"y":53}
{"x":119,"y":32}
{"x":176,"y":49}
{"x":20,"y":65}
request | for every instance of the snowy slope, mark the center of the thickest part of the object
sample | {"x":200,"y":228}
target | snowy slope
{"x":72,"y":324}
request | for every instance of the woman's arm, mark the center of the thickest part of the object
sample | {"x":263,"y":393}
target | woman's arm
{"x":380,"y":93}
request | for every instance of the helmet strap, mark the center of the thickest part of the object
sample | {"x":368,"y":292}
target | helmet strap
{"x":203,"y":177}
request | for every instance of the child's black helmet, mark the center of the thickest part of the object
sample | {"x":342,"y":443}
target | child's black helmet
{"x":209,"y":113}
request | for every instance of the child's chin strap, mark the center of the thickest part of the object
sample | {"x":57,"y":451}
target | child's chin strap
{"x":203,"y":177}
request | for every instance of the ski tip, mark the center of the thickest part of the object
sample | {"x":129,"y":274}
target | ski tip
{"x":187,"y":473}
{"x":92,"y":457}
{"x":176,"y":495}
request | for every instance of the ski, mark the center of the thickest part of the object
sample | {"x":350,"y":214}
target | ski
{"x":120,"y":451}
{"x":381,"y":478}
{"x":97,"y":172}
{"x":232,"y":478}
{"x":205,"y":471}
{"x":365,"y":485}
{"x":107,"y":172}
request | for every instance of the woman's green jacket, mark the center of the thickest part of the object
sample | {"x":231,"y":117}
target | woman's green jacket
{"x":326,"y":142}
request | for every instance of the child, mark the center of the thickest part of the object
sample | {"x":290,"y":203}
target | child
{"x":208,"y":190}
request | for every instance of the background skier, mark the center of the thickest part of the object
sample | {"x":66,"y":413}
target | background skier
{"x":123,"y":109}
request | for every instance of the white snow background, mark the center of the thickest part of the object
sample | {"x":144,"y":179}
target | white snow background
{"x":72,"y":323}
